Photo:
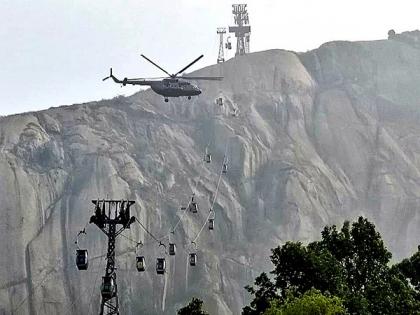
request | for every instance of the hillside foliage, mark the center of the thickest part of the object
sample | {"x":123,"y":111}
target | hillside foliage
{"x":348,"y":267}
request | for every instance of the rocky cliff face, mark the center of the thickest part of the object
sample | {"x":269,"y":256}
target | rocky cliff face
{"x":321,"y":137}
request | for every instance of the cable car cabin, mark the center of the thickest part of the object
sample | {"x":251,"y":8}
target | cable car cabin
{"x":228,"y":44}
{"x":82,"y":260}
{"x":108,"y":287}
{"x":211,"y":224}
{"x":172,"y":249}
{"x":160,"y":266}
{"x":224,"y":169}
{"x":193,"y":259}
{"x":140,"y":263}
{"x":193,"y":206}
{"x":219,"y":101}
{"x":207,"y":158}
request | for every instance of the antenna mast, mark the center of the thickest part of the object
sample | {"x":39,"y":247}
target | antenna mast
{"x":242,"y":29}
{"x":108,"y":215}
{"x":221,"y":57}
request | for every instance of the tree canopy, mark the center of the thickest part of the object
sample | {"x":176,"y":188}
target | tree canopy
{"x":351,"y":264}
{"x":195,"y":307}
{"x":312,"y":302}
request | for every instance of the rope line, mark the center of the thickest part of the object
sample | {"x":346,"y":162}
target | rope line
{"x":172,"y":230}
{"x":214,"y":198}
{"x":82,"y":231}
{"x":130,"y":239}
{"x":148,"y":232}
{"x":174,"y":227}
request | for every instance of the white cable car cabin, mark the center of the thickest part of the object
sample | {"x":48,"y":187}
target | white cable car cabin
{"x":211,"y":224}
{"x":82,"y":260}
{"x":193,"y":207}
{"x":193,"y":259}
{"x":140,"y":263}
{"x":172,"y":249}
{"x":108,"y":287}
{"x":228,"y":44}
{"x":160,"y":266}
{"x":207,"y":158}
{"x":224,"y":168}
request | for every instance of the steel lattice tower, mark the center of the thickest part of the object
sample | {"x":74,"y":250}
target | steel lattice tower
{"x":221,"y":57}
{"x":108,"y":215}
{"x":242,"y":29}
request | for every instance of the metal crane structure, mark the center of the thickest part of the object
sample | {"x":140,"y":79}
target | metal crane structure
{"x":242,"y":30}
{"x":111,"y":217}
{"x":221,"y":31}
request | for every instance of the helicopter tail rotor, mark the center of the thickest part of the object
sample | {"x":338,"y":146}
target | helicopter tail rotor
{"x":110,"y":75}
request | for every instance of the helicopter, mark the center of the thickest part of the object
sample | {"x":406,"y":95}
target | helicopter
{"x":171,"y":86}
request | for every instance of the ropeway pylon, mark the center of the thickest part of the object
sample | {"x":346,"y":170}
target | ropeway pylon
{"x":221,"y":57}
{"x":111,"y":217}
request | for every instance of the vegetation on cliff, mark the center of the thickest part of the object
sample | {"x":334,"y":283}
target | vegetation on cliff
{"x":348,"y":270}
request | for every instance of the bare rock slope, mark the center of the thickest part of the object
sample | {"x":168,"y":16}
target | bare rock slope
{"x":321,"y":137}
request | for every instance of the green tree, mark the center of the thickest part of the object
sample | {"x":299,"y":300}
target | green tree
{"x":351,"y":263}
{"x":410,"y":269}
{"x":264,"y":291}
{"x":313,"y":302}
{"x":195,"y":307}
{"x":300,"y":268}
{"x":359,"y":249}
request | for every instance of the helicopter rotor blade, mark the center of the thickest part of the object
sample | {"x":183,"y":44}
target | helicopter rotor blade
{"x":154,"y":78}
{"x":186,"y":67}
{"x":203,"y":78}
{"x":156,"y":65}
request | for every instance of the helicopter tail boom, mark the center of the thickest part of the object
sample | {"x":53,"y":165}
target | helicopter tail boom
{"x":112,"y":77}
{"x":126,"y":81}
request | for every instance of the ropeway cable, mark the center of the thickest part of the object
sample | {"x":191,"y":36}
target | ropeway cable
{"x":150,"y":233}
{"x":174,"y":227}
{"x":211,"y":211}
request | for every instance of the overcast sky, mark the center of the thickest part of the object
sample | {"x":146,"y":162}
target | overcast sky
{"x":56,"y":52}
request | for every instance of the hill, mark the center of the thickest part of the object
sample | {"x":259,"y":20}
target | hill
{"x":321,"y":137}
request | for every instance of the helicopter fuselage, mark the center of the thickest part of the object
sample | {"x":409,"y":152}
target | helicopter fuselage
{"x":171,"y":86}
{"x":174,"y":88}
